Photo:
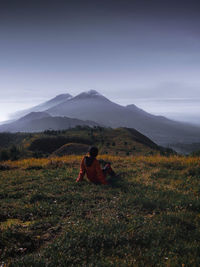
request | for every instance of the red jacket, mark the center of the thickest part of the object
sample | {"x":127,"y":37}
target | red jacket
{"x":94,"y":172}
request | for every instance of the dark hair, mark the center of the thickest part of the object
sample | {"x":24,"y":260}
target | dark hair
{"x":93,"y":151}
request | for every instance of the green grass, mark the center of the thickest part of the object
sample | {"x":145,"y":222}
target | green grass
{"x":150,"y":216}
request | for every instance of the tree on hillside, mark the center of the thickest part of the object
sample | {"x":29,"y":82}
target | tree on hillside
{"x":14,"y":152}
{"x":4,"y":155}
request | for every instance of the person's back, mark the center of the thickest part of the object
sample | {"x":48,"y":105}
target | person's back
{"x":90,"y":165}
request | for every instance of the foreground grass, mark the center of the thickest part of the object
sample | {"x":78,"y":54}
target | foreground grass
{"x":150,"y":216}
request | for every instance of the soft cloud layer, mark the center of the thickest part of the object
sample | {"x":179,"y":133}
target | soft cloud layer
{"x":124,"y":49}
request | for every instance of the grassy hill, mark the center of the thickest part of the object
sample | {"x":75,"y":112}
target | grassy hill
{"x":148,"y":217}
{"x":121,"y":141}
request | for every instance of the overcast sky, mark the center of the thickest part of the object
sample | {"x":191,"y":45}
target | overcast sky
{"x":142,"y":52}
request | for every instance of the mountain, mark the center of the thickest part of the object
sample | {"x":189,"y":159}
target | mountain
{"x":41,"y":121}
{"x":92,"y":108}
{"x":34,"y":116}
{"x":43,"y":106}
{"x":95,"y":107}
{"x":87,"y":105}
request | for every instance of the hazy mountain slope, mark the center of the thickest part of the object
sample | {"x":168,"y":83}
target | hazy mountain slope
{"x":41,"y":121}
{"x":34,"y":116}
{"x":43,"y":106}
{"x":93,"y":106}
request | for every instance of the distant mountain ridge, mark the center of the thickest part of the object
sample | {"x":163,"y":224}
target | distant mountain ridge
{"x":41,"y":121}
{"x":34,"y":116}
{"x":43,"y":106}
{"x":93,"y":106}
{"x":97,"y":109}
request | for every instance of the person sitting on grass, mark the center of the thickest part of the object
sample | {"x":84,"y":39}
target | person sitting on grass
{"x":91,"y":166}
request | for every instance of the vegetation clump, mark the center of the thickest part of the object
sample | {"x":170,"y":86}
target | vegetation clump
{"x":50,"y":144}
{"x":11,"y":153}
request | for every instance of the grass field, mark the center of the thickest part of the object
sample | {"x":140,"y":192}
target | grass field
{"x":150,"y":216}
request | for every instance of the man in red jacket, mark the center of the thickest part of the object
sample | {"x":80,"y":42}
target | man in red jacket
{"x":90,"y":165}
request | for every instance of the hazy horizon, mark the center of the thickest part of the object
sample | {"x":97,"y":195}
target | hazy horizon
{"x":185,"y":109}
{"x":134,"y":52}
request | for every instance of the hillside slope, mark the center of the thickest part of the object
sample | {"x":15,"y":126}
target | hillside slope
{"x":120,"y":141}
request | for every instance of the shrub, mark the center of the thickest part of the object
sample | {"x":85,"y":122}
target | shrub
{"x":4,"y":155}
{"x":14,"y":152}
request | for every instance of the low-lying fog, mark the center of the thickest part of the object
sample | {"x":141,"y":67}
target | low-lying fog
{"x":7,"y":108}
{"x":186,"y":110}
